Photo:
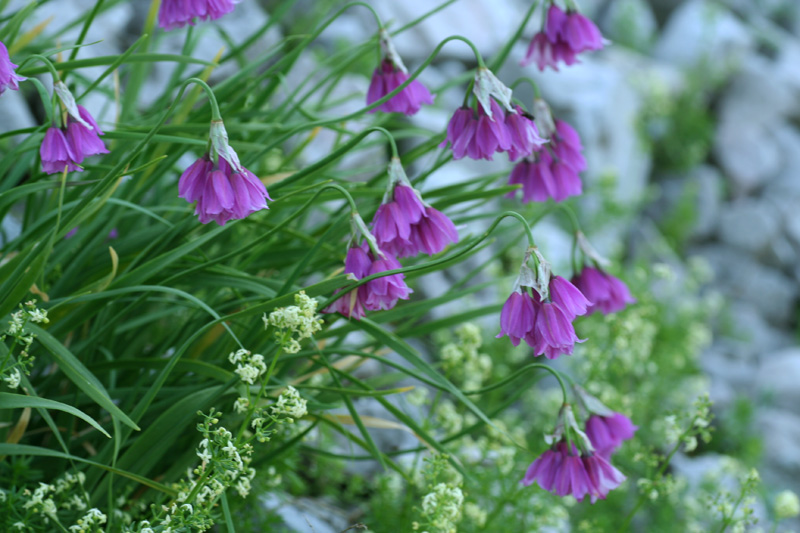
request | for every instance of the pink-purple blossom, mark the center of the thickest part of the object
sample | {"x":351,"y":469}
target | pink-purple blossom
{"x":56,"y":153}
{"x":221,"y":193}
{"x":552,"y":172}
{"x":388,"y":77}
{"x":607,"y":293}
{"x":178,"y":13}
{"x":477,"y":135}
{"x":607,"y":433}
{"x":544,"y":326}
{"x":9,"y":79}
{"x":380,"y":293}
{"x":568,"y":472}
{"x":84,"y":141}
{"x":525,"y":137}
{"x":564,"y":36}
{"x":405,"y":226}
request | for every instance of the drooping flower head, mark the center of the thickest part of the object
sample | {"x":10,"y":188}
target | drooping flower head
{"x":404,"y":225}
{"x":554,"y":170}
{"x":178,"y":13}
{"x":363,"y":260}
{"x":223,"y":189}
{"x":525,"y":139}
{"x":9,"y":79}
{"x":606,"y":429}
{"x":388,"y":76}
{"x":607,"y":293}
{"x":571,"y":466}
{"x":541,"y":309}
{"x":563,"y":37}
{"x":70,"y":145}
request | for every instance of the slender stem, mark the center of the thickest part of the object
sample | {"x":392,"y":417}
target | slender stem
{"x":573,"y":219}
{"x":345,"y":193}
{"x":503,"y":55}
{"x":364,"y":4}
{"x":532,"y":366}
{"x":389,"y":137}
{"x":530,"y":82}
{"x":519,"y":217}
{"x":212,"y":100}
{"x":47,"y":63}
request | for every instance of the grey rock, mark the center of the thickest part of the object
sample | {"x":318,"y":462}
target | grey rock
{"x":778,"y":377}
{"x":748,"y":224}
{"x":307,"y":515}
{"x":701,"y":29}
{"x":783,"y":444}
{"x":710,"y":190}
{"x":631,"y":23}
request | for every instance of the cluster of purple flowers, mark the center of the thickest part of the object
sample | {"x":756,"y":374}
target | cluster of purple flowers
{"x":178,"y":13}
{"x":585,"y":469}
{"x":388,"y":77}
{"x":221,"y":193}
{"x":564,"y":36}
{"x":379,"y":293}
{"x":9,"y":79}
{"x":552,"y":172}
{"x":69,"y":147}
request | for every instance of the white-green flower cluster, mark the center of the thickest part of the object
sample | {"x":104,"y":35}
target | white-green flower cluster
{"x":90,"y":522}
{"x":295,"y":323}
{"x":462,"y":360}
{"x":289,"y":407}
{"x":442,"y":507}
{"x":249,"y":366}
{"x":11,"y":374}
{"x":787,"y":505}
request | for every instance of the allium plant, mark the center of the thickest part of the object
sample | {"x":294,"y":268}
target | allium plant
{"x":161,"y":373}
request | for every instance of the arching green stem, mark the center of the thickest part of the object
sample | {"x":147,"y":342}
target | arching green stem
{"x":501,"y":57}
{"x":520,"y":372}
{"x":345,"y":193}
{"x":47,"y":63}
{"x":388,"y":136}
{"x":212,"y":99}
{"x":364,"y":4}
{"x":519,"y":217}
{"x":530,"y":82}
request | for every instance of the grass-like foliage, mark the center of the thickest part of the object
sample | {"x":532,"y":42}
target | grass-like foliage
{"x":166,"y":364}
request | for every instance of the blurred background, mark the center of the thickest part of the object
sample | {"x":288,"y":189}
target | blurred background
{"x":690,"y":120}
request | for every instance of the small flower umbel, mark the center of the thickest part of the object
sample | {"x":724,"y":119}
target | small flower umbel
{"x":562,"y":38}
{"x":295,"y":323}
{"x":366,"y":259}
{"x":9,"y":79}
{"x":223,"y":189}
{"x":541,"y":309}
{"x":570,"y":466}
{"x":553,"y":171}
{"x":404,"y":224}
{"x":607,"y":293}
{"x":178,"y":13}
{"x":606,"y":429}
{"x":391,"y":74}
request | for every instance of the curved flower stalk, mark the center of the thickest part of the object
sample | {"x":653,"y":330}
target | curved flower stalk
{"x":363,"y":260}
{"x":405,"y":225}
{"x":495,"y":126}
{"x":563,"y":37}
{"x":554,"y":171}
{"x":391,"y":74}
{"x":9,"y":79}
{"x":69,"y":146}
{"x":572,"y":466}
{"x":540,"y":310}
{"x":178,"y":13}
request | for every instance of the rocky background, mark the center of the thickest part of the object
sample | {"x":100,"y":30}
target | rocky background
{"x":692,"y":114}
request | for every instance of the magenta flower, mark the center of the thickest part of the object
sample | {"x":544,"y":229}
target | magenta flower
{"x":552,"y":172}
{"x":518,"y":317}
{"x":607,"y":433}
{"x":221,"y":193}
{"x":56,"y":153}
{"x":553,"y":332}
{"x":566,"y":472}
{"x":568,"y":297}
{"x":388,"y":77}
{"x":178,"y":13}
{"x":406,"y":226}
{"x":8,"y":77}
{"x":525,"y":137}
{"x":563,"y":37}
{"x":607,"y":293}
{"x":379,"y":293}
{"x":84,"y":141}
{"x":476,"y":135}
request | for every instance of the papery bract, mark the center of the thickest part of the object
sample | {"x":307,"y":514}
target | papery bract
{"x":9,"y":79}
{"x":386,"y":79}
{"x":607,"y":293}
